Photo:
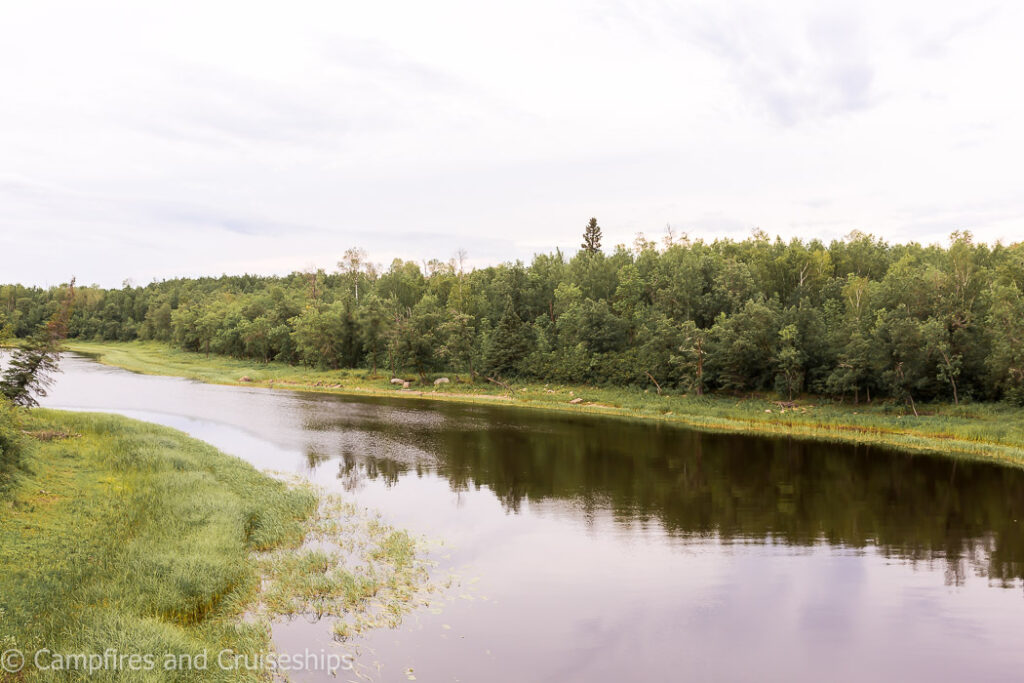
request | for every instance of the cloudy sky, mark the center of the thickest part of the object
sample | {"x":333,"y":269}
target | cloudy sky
{"x":148,"y":140}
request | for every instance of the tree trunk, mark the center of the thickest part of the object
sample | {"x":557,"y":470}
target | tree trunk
{"x":700,"y":369}
{"x":501,"y":384}
{"x":655,"y":382}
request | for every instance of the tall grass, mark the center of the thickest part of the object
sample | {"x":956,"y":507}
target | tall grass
{"x":126,"y":535}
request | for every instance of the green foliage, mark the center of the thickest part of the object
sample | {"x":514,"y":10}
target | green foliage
{"x":854,"y":319}
{"x":29,"y":372}
{"x":509,"y":343}
{"x":789,"y":363}
{"x":12,"y":445}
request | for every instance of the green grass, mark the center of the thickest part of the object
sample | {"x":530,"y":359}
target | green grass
{"x":985,"y":431}
{"x":126,"y":535}
{"x":356,"y":569}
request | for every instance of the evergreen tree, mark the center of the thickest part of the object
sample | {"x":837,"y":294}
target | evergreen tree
{"x":509,"y":344}
{"x":29,"y":373}
{"x":457,"y":331}
{"x":591,"y":237}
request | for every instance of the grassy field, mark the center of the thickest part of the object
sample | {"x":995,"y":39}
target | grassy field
{"x":126,"y":537}
{"x":984,"y":431}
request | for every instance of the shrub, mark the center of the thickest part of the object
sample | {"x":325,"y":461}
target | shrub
{"x":12,"y":444}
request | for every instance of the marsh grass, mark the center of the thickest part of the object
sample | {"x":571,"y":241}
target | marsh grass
{"x":973,"y":430}
{"x":136,"y":537}
{"x":353,"y":568}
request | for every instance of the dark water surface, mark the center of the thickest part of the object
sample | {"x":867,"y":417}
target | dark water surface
{"x":609,"y":550}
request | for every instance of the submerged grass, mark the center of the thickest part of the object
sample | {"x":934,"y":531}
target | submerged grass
{"x":353,"y":568}
{"x":983,"y":431}
{"x":127,"y":535}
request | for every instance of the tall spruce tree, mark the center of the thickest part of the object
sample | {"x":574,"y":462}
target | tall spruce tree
{"x":591,"y":237}
{"x":509,"y":344}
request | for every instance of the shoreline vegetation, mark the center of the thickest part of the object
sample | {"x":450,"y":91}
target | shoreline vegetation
{"x":986,"y":431}
{"x":125,"y":534}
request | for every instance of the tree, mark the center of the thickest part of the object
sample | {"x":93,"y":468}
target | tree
{"x":256,"y":337}
{"x":591,"y":237}
{"x":1006,"y":360}
{"x":318,"y":334}
{"x":419,"y":339}
{"x":372,"y":321}
{"x":789,"y":363}
{"x":29,"y":373}
{"x":593,"y":324}
{"x":852,"y":345}
{"x":907,"y":321}
{"x":742,"y":346}
{"x":692,"y":355}
{"x":351,"y":264}
{"x":853,"y":367}
{"x":458,"y":334}
{"x":897,"y":334}
{"x":937,"y":345}
{"x":508,"y":345}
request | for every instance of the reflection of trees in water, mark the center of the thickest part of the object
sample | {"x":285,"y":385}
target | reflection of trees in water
{"x":915,"y":508}
{"x":353,"y":469}
{"x":314,"y":458}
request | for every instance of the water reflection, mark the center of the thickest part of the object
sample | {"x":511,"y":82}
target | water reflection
{"x":778,"y":490}
{"x":609,"y":549}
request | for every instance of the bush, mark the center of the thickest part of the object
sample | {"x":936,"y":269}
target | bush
{"x":12,"y":444}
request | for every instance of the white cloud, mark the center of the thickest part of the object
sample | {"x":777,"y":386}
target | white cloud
{"x":149,"y":140}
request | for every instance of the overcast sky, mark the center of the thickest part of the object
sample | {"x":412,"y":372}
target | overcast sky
{"x":149,"y":140}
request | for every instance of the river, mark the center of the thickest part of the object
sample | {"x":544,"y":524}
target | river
{"x":597,"y":549}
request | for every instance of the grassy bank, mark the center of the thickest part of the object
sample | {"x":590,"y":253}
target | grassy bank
{"x":986,"y":431}
{"x":126,"y":535}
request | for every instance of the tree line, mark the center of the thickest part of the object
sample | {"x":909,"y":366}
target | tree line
{"x":855,"y":319}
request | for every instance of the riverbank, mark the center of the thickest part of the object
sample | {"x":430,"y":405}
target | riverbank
{"x":973,"y":430}
{"x":124,"y":536}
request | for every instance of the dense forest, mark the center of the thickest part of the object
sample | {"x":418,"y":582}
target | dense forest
{"x":854,"y":319}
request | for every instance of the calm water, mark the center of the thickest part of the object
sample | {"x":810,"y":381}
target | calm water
{"x":607,"y":550}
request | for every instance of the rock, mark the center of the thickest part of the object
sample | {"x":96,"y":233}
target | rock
{"x":576,"y":401}
{"x":244,"y":378}
{"x":767,"y":410}
{"x":441,"y":380}
{"x":405,"y":385}
{"x":395,"y":380}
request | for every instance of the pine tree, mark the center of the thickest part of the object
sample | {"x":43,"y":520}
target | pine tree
{"x":591,"y":237}
{"x":28,"y":375}
{"x":509,"y":344}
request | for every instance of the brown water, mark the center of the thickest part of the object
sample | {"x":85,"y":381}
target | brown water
{"x":608,"y":550}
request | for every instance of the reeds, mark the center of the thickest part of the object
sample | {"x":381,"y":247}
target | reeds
{"x":135,"y":537}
